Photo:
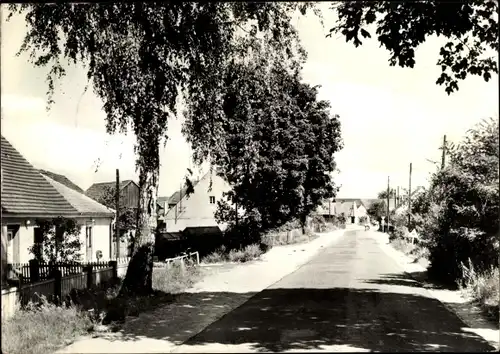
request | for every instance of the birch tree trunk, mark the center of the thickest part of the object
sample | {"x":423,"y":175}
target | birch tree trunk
{"x":139,"y":277}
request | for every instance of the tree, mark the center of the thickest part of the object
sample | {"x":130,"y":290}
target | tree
{"x":60,"y":240}
{"x":462,"y":213}
{"x":470,"y":27}
{"x":127,"y":216}
{"x":377,"y":210}
{"x":383,"y":194}
{"x":277,"y":143}
{"x":139,"y":57}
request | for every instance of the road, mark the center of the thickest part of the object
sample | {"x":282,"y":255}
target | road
{"x":350,"y":297}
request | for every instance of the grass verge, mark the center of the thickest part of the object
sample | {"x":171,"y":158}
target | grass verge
{"x":45,"y":328}
{"x":483,"y":289}
{"x":242,"y":255}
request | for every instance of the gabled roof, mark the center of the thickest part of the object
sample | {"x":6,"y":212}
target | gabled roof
{"x":61,"y":179}
{"x":83,"y":204}
{"x":96,"y":190}
{"x":25,"y":191}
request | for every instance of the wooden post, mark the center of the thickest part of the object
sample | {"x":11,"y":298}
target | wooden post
{"x":117,"y":206}
{"x":34,"y":270}
{"x":57,"y":286}
{"x":388,"y":200}
{"x":114,"y":265}
{"x":409,"y":200}
{"x":88,"y":270}
{"x":443,"y":157}
{"x":398,"y":201}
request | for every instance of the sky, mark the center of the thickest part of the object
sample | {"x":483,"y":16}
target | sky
{"x":390,"y":116}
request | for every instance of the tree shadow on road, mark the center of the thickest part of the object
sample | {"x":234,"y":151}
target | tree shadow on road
{"x":413,"y":279}
{"x":311,"y":319}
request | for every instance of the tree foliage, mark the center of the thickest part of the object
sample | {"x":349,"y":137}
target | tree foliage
{"x":383,"y":194}
{"x":276,"y":146}
{"x":471,"y":29}
{"x":127,"y":216}
{"x":459,"y":220}
{"x":139,"y":57}
{"x":60,"y":240}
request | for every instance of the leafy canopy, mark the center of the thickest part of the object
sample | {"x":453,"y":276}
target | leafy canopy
{"x":471,"y":29}
{"x":276,"y":141}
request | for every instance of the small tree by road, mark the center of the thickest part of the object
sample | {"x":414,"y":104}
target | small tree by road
{"x":57,"y":240}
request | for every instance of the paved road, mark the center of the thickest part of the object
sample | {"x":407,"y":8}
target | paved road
{"x":350,"y":297}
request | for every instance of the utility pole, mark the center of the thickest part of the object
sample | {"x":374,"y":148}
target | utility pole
{"x":398,"y":197}
{"x":409,"y":199}
{"x":388,"y":199}
{"x":443,"y":157}
{"x":117,"y":203}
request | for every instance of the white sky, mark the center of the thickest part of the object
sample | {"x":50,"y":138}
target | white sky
{"x":390,"y":116}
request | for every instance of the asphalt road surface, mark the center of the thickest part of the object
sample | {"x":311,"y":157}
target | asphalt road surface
{"x":349,"y":297}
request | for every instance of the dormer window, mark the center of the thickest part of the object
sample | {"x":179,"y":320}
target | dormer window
{"x":212,"y":199}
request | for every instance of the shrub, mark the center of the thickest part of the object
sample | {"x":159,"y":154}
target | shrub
{"x":363,"y":219}
{"x":246,"y":254}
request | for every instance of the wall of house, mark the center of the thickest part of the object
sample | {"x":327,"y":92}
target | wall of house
{"x":360,"y":211}
{"x":130,"y":195}
{"x":24,"y":238}
{"x":197,"y":209}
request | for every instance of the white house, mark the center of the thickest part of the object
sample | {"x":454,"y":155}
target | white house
{"x":28,"y":195}
{"x":197,"y":209}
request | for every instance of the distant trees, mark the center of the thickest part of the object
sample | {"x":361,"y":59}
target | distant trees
{"x":383,"y":194}
{"x":57,"y":240}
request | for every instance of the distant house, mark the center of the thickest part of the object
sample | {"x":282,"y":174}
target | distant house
{"x":352,"y":208}
{"x":196,"y":210}
{"x":129,"y":192}
{"x":27,"y":195}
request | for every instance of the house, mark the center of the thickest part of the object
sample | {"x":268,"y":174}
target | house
{"x":352,"y":208}
{"x":129,"y":192}
{"x":28,"y":195}
{"x":62,"y":179}
{"x":196,"y":210}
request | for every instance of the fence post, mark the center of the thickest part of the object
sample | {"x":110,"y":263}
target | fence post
{"x":197,"y":258}
{"x":34,"y":267}
{"x":114,"y":265}
{"x":88,"y":269}
{"x":57,"y":286}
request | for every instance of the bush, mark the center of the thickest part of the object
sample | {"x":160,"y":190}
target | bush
{"x":249,"y":253}
{"x":43,"y":329}
{"x":363,"y":219}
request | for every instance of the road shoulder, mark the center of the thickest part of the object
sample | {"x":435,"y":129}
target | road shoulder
{"x":453,"y":300}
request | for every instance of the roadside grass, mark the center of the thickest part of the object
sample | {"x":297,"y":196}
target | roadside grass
{"x":242,"y":255}
{"x":45,"y":328}
{"x":483,"y":289}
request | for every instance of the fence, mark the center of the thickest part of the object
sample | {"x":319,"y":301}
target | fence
{"x":35,"y":271}
{"x":59,"y":287}
{"x":194,"y":256}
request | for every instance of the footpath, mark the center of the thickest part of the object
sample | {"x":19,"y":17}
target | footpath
{"x":453,"y":300}
{"x":164,"y":329}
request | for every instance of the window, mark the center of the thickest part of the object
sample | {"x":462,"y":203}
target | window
{"x":212,"y":199}
{"x":88,"y":234}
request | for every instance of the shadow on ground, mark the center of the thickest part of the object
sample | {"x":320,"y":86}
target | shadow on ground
{"x":311,"y":319}
{"x":413,"y":279}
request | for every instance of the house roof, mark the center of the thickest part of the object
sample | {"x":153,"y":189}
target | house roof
{"x":25,"y":191}
{"x":85,"y":206}
{"x":61,"y":179}
{"x":96,"y":190}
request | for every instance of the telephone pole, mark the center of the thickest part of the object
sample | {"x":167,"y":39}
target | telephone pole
{"x":409,"y":200}
{"x":388,"y":199}
{"x":117,"y":206}
{"x":398,"y":198}
{"x":443,"y":157}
